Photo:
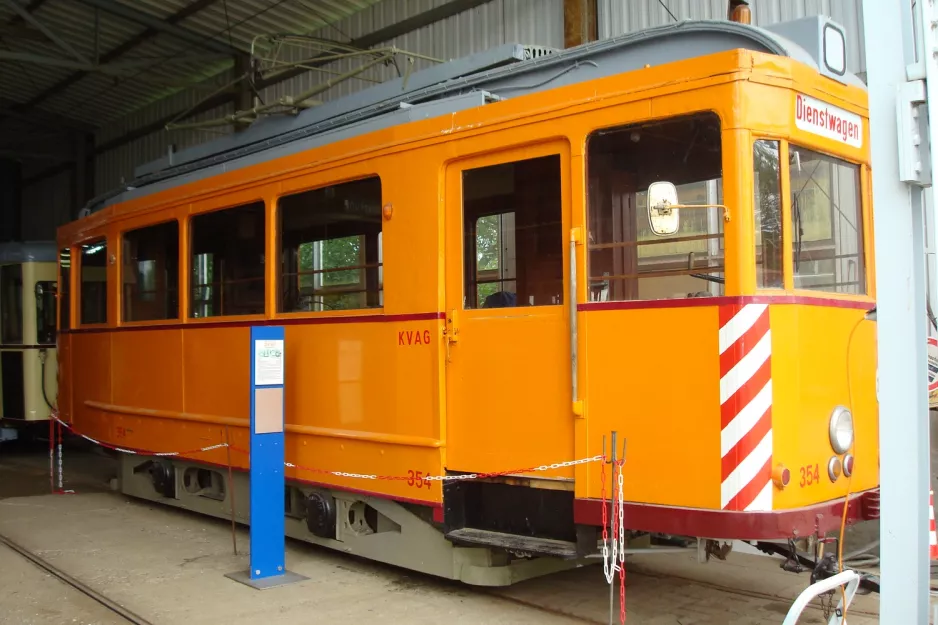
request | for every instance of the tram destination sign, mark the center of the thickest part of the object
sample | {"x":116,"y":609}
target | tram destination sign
{"x":821,"y":118}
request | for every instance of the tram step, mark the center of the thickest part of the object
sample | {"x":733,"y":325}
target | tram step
{"x":513,"y":542}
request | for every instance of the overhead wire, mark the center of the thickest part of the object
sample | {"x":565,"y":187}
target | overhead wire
{"x":661,"y":2}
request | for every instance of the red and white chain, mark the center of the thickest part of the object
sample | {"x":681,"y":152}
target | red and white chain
{"x":360,"y":476}
{"x":613,"y":562}
{"x":132,"y":452}
{"x":446,"y":478}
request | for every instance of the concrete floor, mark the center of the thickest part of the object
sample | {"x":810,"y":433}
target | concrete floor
{"x":169,"y":566}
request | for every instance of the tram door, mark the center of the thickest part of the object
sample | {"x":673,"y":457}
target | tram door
{"x":507,"y":330}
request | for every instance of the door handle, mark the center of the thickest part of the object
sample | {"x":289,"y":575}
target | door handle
{"x":451,"y":333}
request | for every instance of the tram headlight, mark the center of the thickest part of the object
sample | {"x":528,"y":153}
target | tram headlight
{"x":841,"y":429}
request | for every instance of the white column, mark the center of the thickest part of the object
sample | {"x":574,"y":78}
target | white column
{"x":900,"y":278}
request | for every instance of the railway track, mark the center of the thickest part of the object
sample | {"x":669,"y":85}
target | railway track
{"x":67,"y":579}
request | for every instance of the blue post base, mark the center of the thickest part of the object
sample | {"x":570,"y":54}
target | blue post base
{"x":263,"y":583}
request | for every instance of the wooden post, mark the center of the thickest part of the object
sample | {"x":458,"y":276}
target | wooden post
{"x":579,"y":22}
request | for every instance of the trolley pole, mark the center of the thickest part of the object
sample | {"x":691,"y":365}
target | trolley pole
{"x":901,"y":170}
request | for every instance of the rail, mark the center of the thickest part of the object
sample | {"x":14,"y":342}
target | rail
{"x":849,"y":578}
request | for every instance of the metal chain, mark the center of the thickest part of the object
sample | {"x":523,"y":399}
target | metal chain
{"x":602,"y":479}
{"x":622,"y":541}
{"x":621,"y":512}
{"x":360,"y":476}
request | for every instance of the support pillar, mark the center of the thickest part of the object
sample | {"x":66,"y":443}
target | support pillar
{"x":901,"y":328}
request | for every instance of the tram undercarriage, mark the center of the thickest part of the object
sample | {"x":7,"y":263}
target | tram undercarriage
{"x":466,"y":549}
{"x":375,"y":528}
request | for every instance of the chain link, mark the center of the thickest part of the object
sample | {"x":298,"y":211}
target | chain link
{"x":357,"y":476}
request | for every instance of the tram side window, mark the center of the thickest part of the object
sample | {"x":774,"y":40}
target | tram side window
{"x":11,"y":304}
{"x":45,"y":312}
{"x":65,"y":292}
{"x":227,"y":260}
{"x":768,"y":214}
{"x":827,"y":224}
{"x":513,"y":236}
{"x":331,"y":248}
{"x":93,"y":306}
{"x":151,"y":272}
{"x":627,"y":260}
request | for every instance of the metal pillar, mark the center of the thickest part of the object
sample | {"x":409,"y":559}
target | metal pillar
{"x":899,"y":231}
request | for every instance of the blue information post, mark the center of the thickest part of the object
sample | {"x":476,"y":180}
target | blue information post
{"x":267,"y":480}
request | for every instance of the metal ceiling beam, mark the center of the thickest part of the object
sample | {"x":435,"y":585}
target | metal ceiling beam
{"x":64,"y":45}
{"x":41,"y":118}
{"x":31,"y":7}
{"x":114,"y":54}
{"x":379,"y":36}
{"x":114,"y":68}
{"x":184,"y":34}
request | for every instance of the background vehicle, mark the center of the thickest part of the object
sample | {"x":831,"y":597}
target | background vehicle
{"x":27,"y":334}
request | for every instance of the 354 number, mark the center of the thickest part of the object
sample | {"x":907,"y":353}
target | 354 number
{"x":810,"y":475}
{"x":415,"y":478}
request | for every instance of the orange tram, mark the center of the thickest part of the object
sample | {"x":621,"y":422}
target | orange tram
{"x":495,"y":263}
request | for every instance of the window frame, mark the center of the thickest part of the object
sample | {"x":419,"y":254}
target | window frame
{"x":454,"y":213}
{"x":727,"y":182}
{"x":863,"y":218}
{"x":180,"y":256}
{"x":65,"y":289}
{"x":784,"y":187}
{"x":229,"y":202}
{"x":22,"y":307}
{"x":322,"y":182}
{"x":78,"y":259}
{"x":513,"y":155}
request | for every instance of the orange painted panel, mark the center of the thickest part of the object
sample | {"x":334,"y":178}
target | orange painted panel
{"x":508,"y":392}
{"x":64,"y":375}
{"x":149,"y":375}
{"x":654,"y":378}
{"x":366,"y":377}
{"x":217,"y":369}
{"x":810,"y":378}
{"x":91,"y":366}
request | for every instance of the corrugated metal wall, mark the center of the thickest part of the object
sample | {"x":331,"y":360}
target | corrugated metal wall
{"x":118,"y":164}
{"x":623,"y":16}
{"x":536,"y":22}
{"x":46,"y":205}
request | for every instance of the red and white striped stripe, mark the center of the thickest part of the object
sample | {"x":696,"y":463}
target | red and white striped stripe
{"x":932,"y":534}
{"x":746,"y":407}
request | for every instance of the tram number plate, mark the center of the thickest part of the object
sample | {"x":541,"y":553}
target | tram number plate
{"x":810,"y":475}
{"x":415,"y":478}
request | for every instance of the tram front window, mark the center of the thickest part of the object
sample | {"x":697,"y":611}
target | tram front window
{"x":627,"y":260}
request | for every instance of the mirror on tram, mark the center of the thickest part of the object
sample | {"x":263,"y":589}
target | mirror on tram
{"x":663,"y":219}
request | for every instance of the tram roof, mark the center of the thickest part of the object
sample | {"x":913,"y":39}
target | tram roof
{"x":473,"y":81}
{"x":28,"y":252}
